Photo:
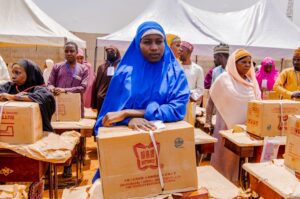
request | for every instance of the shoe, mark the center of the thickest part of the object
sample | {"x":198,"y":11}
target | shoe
{"x":67,"y":172}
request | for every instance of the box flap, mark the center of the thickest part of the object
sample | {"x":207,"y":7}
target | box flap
{"x":118,"y":131}
{"x":18,"y":104}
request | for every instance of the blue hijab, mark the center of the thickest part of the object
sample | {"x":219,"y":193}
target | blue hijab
{"x":159,"y":88}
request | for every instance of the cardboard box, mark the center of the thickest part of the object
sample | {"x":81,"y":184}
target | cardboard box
{"x":292,"y":148}
{"x":264,"y":117}
{"x":270,"y":95}
{"x":21,"y":122}
{"x":129,"y":166}
{"x":68,"y":107}
{"x":190,"y":114}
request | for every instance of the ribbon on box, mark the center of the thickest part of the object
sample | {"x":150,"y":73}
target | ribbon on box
{"x":159,"y":125}
{"x":281,"y":118}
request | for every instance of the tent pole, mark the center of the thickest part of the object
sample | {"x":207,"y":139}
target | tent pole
{"x":85,"y":54}
{"x":95,"y":57}
{"x":281,"y":64}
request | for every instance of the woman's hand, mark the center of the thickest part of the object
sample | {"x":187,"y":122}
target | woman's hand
{"x":141,"y":124}
{"x":6,"y":97}
{"x":296,"y":94}
{"x":113,"y":117}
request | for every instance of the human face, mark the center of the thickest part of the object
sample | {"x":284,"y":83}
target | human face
{"x":70,"y":53}
{"x":296,"y":62}
{"x":152,"y":47}
{"x":243,"y":66}
{"x":175,"y":47}
{"x":111,"y":54}
{"x":183,"y":53}
{"x":268,"y":68}
{"x":218,"y":59}
{"x":80,"y":59}
{"x":19,"y":75}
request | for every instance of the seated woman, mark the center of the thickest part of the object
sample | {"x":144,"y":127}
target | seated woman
{"x":149,"y":84}
{"x":231,"y":93}
{"x":28,"y":85}
{"x":267,"y":74}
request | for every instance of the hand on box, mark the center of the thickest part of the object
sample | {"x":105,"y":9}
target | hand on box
{"x":6,"y":97}
{"x":296,"y":94}
{"x":141,"y":124}
{"x":113,"y":117}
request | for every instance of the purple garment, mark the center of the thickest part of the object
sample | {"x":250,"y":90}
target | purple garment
{"x":208,"y":79}
{"x":73,"y":80}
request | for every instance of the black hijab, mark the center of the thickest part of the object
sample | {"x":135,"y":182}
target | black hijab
{"x":34,"y":75}
{"x":36,"y":91}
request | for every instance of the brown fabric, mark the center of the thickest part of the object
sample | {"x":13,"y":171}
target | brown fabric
{"x":101,"y":84}
{"x":51,"y":148}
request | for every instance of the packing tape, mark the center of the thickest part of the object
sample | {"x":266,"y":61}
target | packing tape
{"x":281,"y":118}
{"x":161,"y":179}
{"x":1,"y":110}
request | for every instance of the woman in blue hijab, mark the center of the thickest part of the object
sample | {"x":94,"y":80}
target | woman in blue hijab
{"x":149,"y":84}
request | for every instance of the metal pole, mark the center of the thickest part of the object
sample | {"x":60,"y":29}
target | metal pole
{"x":95,"y":57}
{"x":281,"y":64}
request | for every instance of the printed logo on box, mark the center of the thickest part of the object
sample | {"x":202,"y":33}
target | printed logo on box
{"x":7,"y":130}
{"x":284,"y":125}
{"x":7,"y":124}
{"x":179,"y":142}
{"x":145,"y":156}
{"x":61,"y":109}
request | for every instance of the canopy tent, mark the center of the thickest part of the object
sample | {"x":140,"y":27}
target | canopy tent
{"x":261,"y":28}
{"x":23,"y":23}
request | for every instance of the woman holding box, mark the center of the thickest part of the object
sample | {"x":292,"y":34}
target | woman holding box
{"x":28,"y":85}
{"x":149,"y":84}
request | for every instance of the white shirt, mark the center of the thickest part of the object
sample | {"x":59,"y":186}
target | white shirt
{"x":195,"y":78}
{"x":4,"y":75}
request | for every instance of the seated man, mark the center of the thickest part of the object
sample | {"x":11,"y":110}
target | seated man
{"x":287,"y":84}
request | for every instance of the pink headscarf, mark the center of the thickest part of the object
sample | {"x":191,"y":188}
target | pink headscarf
{"x":187,"y":45}
{"x":80,"y":53}
{"x":270,"y":77}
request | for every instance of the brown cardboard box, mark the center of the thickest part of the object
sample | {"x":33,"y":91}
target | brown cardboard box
{"x":129,"y":167}
{"x":21,"y":122}
{"x":292,"y":148}
{"x":264,"y":117}
{"x":270,"y":95}
{"x":68,"y":107}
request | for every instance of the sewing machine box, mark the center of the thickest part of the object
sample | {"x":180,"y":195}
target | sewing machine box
{"x":292,"y":147}
{"x":68,"y":107}
{"x":129,"y":164}
{"x":270,"y":95}
{"x":269,"y":117}
{"x":21,"y":122}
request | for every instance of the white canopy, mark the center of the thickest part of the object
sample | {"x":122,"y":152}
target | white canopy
{"x":261,"y":28}
{"x":23,"y":23}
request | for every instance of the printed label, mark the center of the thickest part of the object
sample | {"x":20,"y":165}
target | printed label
{"x":145,"y":156}
{"x":7,"y":123}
